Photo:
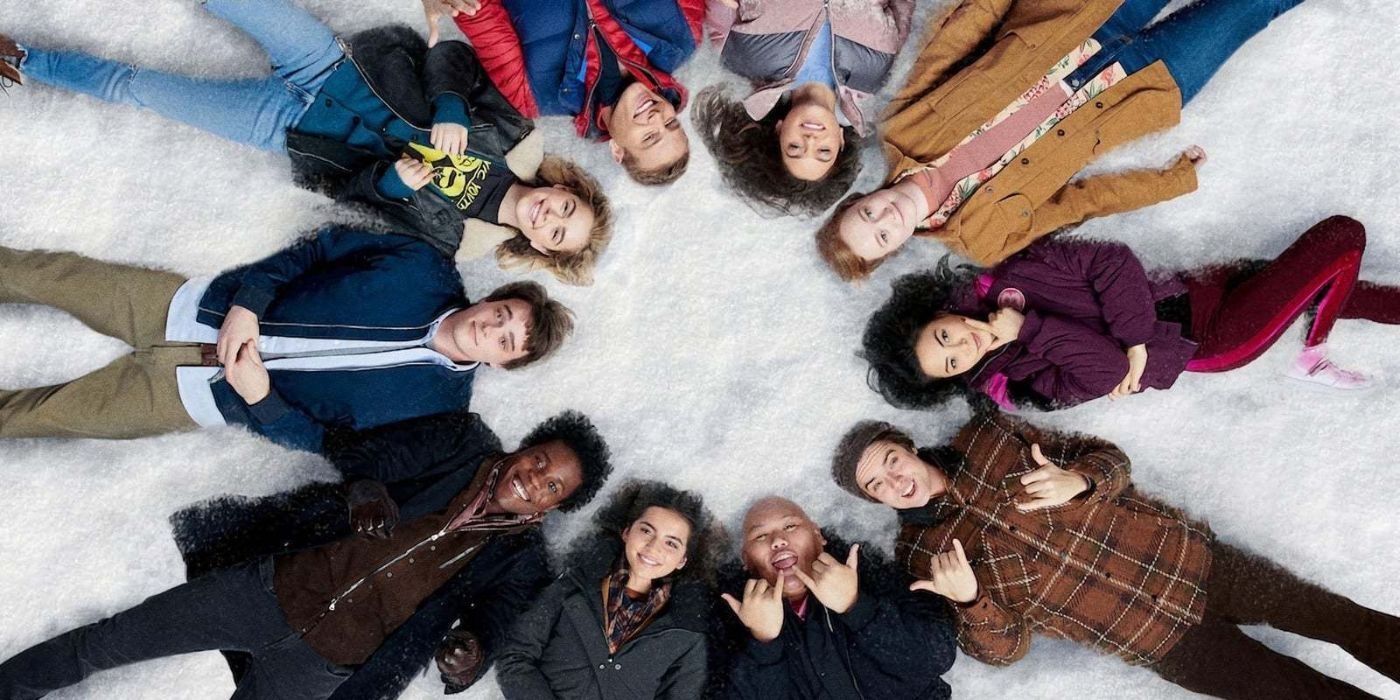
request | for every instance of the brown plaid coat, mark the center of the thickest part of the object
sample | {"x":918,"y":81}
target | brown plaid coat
{"x":1110,"y":569}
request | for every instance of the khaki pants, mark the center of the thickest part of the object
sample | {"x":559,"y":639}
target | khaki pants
{"x":134,"y":396}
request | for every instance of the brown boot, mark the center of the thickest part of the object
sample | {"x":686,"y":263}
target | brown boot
{"x":10,"y":56}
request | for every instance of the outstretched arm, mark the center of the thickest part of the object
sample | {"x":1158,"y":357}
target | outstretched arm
{"x":1102,"y":195}
{"x":498,"y":47}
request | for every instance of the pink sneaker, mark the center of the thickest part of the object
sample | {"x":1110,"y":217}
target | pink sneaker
{"x":1313,"y":366}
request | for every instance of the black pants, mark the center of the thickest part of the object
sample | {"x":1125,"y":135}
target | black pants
{"x":1216,"y":658}
{"x":232,"y":610}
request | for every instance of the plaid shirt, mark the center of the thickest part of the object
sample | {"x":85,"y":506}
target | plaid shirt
{"x":627,"y":616}
{"x":1110,"y":569}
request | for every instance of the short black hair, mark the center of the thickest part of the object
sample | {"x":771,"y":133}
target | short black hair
{"x":575,"y":430}
{"x":888,"y":344}
{"x":707,"y":538}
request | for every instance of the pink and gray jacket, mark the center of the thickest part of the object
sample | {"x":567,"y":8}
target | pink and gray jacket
{"x":766,"y":41}
{"x":1086,"y":302}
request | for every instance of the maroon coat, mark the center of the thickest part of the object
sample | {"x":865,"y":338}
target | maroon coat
{"x":1086,"y":302}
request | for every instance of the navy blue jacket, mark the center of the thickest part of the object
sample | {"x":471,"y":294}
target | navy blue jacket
{"x":348,"y":285}
{"x":553,"y":35}
{"x":424,"y":463}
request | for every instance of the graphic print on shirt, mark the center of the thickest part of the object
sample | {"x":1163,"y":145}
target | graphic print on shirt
{"x":458,"y":178}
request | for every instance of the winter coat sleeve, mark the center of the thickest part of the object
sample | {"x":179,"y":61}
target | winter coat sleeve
{"x":260,"y":281}
{"x":950,"y":41}
{"x":410,"y":449}
{"x":694,"y":12}
{"x":1108,"y":468}
{"x":1115,"y":193}
{"x":1084,"y":364}
{"x":760,"y":672}
{"x":719,"y":19}
{"x":1116,"y":275}
{"x":451,"y":68}
{"x":989,"y":632}
{"x":903,"y":637}
{"x":494,"y":612}
{"x":285,"y":424}
{"x":518,"y":669}
{"x":500,"y":52}
{"x":685,"y":679}
{"x":901,"y":13}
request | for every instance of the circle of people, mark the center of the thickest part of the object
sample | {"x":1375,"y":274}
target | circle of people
{"x":362,"y":345}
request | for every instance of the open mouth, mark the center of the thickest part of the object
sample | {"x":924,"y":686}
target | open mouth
{"x":535,"y":212}
{"x":643,"y":105}
{"x":473,"y":328}
{"x":813,"y":126}
{"x":647,"y":560}
{"x":784,"y":561}
{"x":909,"y":491}
{"x":977,"y":341}
{"x":519,"y":490}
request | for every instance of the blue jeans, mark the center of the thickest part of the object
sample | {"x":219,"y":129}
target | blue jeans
{"x":233,"y":609}
{"x":255,"y":112}
{"x":1193,"y":41}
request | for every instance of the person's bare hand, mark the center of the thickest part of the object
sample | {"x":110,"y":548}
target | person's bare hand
{"x":1195,"y":154}
{"x":1003,"y":324}
{"x":247,"y":375}
{"x":414,"y":173}
{"x":449,"y":138}
{"x":1049,"y":486}
{"x":762,"y":608}
{"x":1132,"y":382}
{"x":435,"y":10}
{"x":952,"y":577}
{"x":460,"y":657}
{"x":239,"y":328}
{"x":836,"y":585}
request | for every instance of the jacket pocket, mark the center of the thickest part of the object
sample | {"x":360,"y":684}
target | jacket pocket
{"x":1014,"y":217}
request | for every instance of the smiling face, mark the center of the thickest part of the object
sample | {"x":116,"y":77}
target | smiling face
{"x":877,"y":224}
{"x":493,"y":332}
{"x":778,"y":536}
{"x":554,"y":220}
{"x":655,"y":543}
{"x":644,"y":127}
{"x":895,"y":476}
{"x":537,"y":479}
{"x":809,"y":138}
{"x":947,"y":346}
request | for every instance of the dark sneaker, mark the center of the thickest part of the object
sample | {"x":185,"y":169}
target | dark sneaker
{"x":10,"y":56}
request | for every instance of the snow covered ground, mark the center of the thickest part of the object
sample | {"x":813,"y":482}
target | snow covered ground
{"x":714,"y":351}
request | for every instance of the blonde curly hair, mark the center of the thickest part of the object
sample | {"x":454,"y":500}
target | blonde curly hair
{"x":574,"y":268}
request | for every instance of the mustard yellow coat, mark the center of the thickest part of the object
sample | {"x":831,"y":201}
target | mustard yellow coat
{"x":951,"y":90}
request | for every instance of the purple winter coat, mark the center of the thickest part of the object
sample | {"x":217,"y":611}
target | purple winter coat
{"x":1085,"y":303}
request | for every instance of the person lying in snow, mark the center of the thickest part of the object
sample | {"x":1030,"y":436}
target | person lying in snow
{"x":651,"y":554}
{"x":811,"y":616}
{"x":793,"y":146}
{"x":1071,"y":320}
{"x":1028,"y":531}
{"x":316,"y":618}
{"x":980,"y":160}
{"x":419,"y":134}
{"x":347,"y":329}
{"x":606,"y":62}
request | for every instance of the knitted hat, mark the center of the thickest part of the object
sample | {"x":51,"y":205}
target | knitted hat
{"x":859,"y":437}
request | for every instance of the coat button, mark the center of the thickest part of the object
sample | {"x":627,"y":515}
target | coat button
{"x":1099,"y":105}
{"x":1059,"y":132}
{"x":989,"y":189}
{"x":328,"y":102}
{"x":602,"y":666}
{"x":1025,"y":161}
{"x":1025,"y":214}
{"x":390,"y":574}
{"x":355,"y":120}
{"x":617,"y":667}
{"x":410,"y":560}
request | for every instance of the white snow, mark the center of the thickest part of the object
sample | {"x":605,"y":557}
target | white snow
{"x":715,"y":351}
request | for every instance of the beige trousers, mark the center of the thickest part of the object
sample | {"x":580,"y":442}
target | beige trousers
{"x":134,"y":396}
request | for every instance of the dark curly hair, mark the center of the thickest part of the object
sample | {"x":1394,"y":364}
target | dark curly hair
{"x":707,"y":537}
{"x":888,"y":344}
{"x":751,"y":160}
{"x":575,"y":430}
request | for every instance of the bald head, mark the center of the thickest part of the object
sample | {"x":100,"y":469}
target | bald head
{"x":778,"y":537}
